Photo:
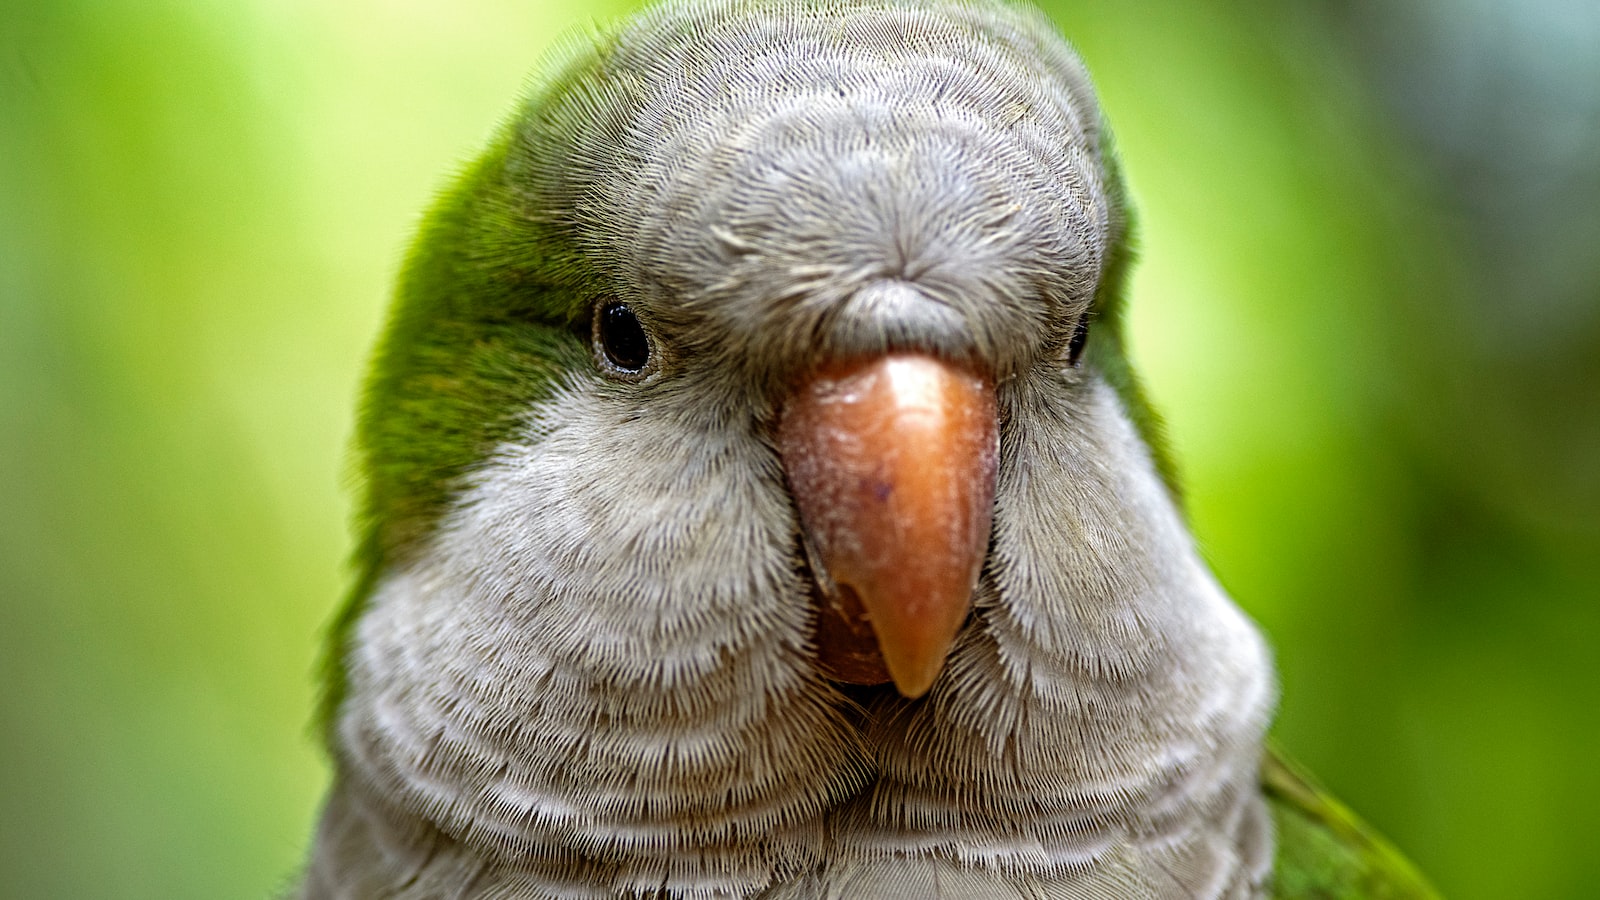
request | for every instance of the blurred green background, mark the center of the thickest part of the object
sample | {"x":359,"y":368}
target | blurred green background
{"x":1369,"y":304}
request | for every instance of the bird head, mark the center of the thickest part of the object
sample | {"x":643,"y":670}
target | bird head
{"x":752,"y":359}
{"x":848,"y":275}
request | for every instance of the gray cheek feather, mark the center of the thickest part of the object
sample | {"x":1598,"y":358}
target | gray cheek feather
{"x":603,"y":657}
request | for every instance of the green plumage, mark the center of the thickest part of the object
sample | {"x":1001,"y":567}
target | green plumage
{"x":477,"y":335}
{"x":1324,"y":851}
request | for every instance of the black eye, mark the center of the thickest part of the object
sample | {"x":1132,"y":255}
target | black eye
{"x":621,"y":339}
{"x":1080,"y":336}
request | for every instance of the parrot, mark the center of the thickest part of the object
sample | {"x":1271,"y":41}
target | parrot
{"x":757,"y":501}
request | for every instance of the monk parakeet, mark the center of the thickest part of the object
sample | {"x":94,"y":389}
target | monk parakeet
{"x":759,"y":503}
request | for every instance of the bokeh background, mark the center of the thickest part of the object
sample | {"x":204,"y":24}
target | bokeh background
{"x":1369,"y":304}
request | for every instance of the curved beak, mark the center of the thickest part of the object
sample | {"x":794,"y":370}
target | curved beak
{"x":892,"y":464}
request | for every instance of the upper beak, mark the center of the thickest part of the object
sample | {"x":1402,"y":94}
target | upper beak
{"x":892,"y":464}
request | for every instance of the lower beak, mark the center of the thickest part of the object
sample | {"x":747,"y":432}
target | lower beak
{"x":892,"y":464}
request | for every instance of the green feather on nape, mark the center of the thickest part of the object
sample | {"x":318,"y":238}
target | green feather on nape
{"x":1107,"y":347}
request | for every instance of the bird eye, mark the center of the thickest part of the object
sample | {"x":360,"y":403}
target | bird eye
{"x":1080,"y":336}
{"x":620,"y":339}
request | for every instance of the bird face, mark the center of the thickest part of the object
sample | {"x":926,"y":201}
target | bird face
{"x":746,"y":364}
{"x":864,"y":255}
{"x":866,"y":305}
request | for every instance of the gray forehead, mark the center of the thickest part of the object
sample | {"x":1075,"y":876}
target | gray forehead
{"x":760,"y":162}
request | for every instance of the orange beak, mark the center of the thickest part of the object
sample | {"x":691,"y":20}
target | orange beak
{"x":892,"y":464}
